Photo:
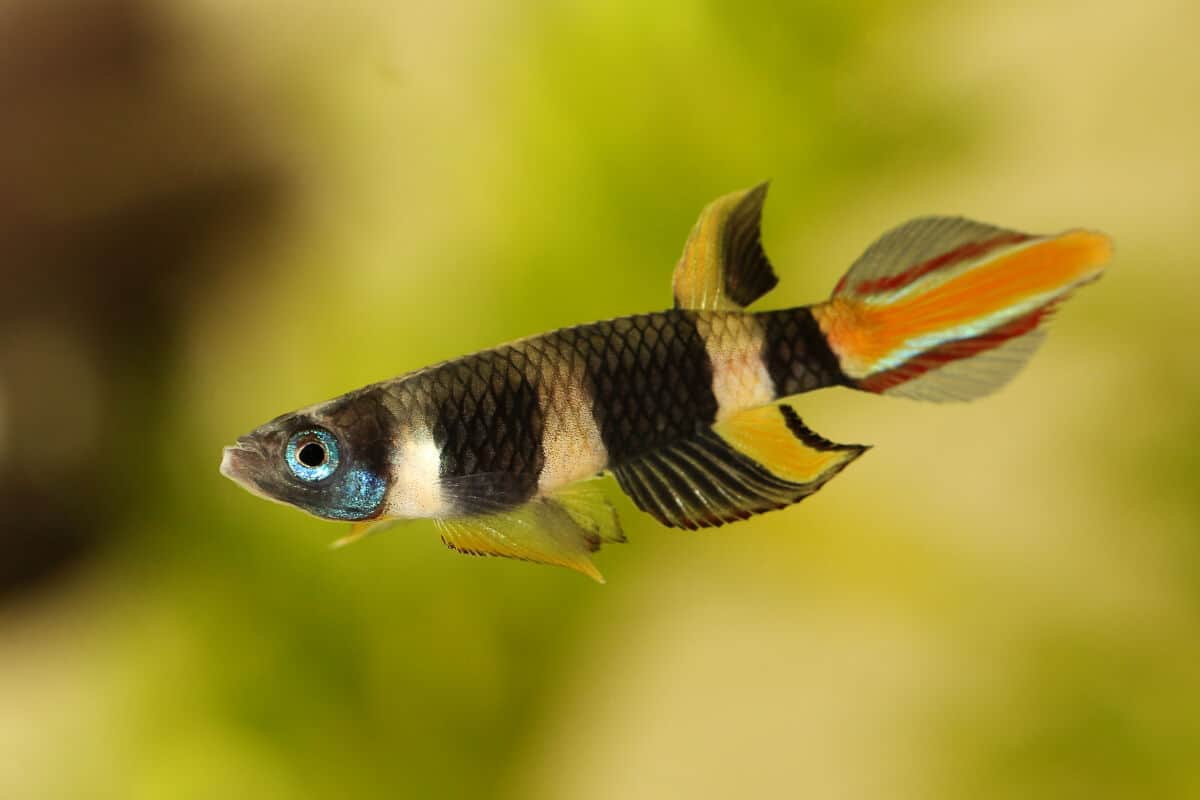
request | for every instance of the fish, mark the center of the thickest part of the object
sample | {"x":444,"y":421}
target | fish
{"x":693,"y":410}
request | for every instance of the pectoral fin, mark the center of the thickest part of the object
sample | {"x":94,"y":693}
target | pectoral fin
{"x":562,"y":529}
{"x":723,"y":266}
{"x":359,"y":530}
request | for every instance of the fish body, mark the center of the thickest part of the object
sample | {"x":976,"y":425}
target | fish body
{"x":688,"y":407}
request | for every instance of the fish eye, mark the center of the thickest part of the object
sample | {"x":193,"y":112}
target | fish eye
{"x":312,"y":455}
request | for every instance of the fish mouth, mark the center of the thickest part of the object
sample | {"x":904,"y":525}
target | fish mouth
{"x":228,"y":457}
{"x":237,"y":461}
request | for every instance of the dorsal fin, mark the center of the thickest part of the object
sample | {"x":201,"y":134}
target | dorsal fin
{"x":755,"y":461}
{"x":723,"y":266}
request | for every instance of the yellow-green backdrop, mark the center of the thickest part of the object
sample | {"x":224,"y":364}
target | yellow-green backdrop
{"x":1001,"y":600}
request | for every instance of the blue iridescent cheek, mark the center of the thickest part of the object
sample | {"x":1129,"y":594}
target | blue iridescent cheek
{"x":358,"y":496}
{"x":312,"y":455}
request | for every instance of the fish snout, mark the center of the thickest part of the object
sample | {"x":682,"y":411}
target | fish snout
{"x":238,"y":461}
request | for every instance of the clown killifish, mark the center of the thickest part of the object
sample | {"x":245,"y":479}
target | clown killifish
{"x":691,"y":409}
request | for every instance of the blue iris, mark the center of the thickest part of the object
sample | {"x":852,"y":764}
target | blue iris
{"x":312,"y":455}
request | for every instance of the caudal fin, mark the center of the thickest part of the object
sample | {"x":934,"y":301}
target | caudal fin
{"x":944,"y":308}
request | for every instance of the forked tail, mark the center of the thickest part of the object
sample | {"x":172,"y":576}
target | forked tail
{"x":943,"y":308}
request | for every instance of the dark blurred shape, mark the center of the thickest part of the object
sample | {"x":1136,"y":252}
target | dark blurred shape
{"x":116,"y":172}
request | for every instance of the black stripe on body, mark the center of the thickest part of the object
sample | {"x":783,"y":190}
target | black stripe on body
{"x":487,"y":425}
{"x":365,"y":425}
{"x":796,"y":354}
{"x":649,"y":378}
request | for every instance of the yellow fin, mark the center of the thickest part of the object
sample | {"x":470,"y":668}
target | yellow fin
{"x":562,"y":529}
{"x":358,"y":530}
{"x":590,"y":510}
{"x":775,"y":438}
{"x":723,"y":266}
{"x":755,"y":461}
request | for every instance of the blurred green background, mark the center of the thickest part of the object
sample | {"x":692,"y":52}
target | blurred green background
{"x":212,"y":212}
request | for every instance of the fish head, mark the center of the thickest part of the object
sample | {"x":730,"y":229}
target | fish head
{"x":330,"y":460}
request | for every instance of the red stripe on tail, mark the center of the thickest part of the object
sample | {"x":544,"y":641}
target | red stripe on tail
{"x":966,"y":252}
{"x":953,"y":351}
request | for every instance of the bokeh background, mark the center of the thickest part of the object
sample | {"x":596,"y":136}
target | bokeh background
{"x":212,"y":212}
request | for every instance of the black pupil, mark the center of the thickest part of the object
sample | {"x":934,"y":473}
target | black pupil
{"x":311,"y":455}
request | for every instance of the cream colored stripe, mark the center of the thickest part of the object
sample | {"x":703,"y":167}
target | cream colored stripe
{"x":416,"y":490}
{"x":734,"y":341}
{"x":571,"y":443}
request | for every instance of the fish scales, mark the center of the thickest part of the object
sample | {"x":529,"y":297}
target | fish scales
{"x":534,"y":415}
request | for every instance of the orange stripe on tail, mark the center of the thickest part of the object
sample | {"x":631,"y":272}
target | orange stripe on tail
{"x":942,"y":355}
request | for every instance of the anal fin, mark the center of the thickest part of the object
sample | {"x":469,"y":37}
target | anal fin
{"x":756,"y":461}
{"x":562,"y":529}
